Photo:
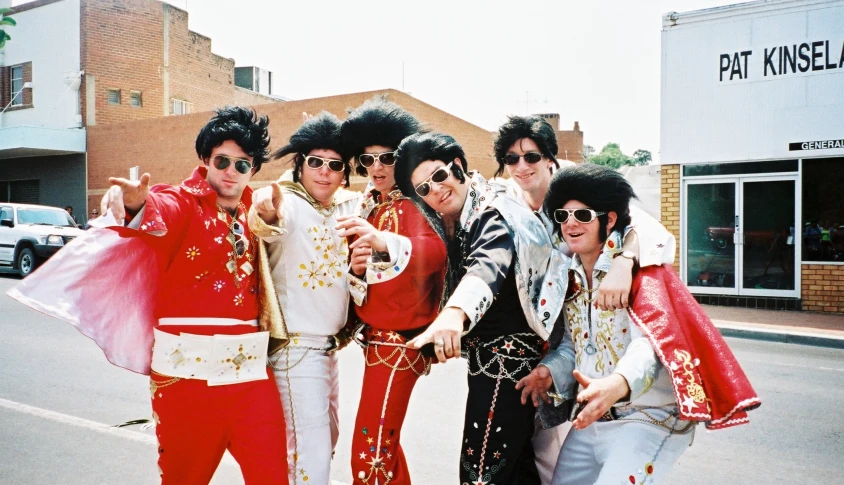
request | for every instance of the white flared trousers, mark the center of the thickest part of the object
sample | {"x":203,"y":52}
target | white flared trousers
{"x":308,"y":382}
{"x":622,"y":451}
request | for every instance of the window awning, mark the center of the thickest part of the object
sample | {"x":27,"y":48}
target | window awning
{"x":32,"y":141}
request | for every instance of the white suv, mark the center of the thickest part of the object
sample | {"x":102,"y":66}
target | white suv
{"x":30,"y":234}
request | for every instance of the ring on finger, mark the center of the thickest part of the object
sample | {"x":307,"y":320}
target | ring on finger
{"x":440,"y":343}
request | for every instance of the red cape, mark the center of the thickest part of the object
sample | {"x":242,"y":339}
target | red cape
{"x":709,"y":384}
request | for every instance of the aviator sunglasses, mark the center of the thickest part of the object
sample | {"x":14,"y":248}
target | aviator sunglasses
{"x":530,"y":157}
{"x":222,"y":162}
{"x":315,"y":163}
{"x":239,"y":241}
{"x":439,"y":176}
{"x":368,"y":159}
{"x":584,"y":216}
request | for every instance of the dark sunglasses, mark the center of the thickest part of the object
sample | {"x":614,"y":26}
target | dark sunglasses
{"x":237,"y":238}
{"x":242,"y":165}
{"x":530,"y":157}
{"x":580,"y":215}
{"x":317,"y":162}
{"x":368,"y":159}
{"x":439,"y":176}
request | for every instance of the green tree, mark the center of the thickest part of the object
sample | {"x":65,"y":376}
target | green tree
{"x":611,"y":156}
{"x":642,"y":157}
{"x":5,"y":20}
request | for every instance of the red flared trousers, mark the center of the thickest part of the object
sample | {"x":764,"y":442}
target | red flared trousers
{"x":196,"y":423}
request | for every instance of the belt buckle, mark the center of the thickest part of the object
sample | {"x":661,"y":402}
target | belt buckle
{"x":238,"y":358}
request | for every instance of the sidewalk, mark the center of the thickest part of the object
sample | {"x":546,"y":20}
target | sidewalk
{"x":806,"y":328}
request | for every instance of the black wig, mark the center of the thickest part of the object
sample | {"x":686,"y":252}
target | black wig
{"x":242,"y":126}
{"x":320,"y":132}
{"x":423,"y":147}
{"x":376,"y":122}
{"x":600,"y":188}
{"x":517,"y":127}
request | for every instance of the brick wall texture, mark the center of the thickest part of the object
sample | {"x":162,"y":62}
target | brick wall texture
{"x":146,"y":46}
{"x":164,"y":147}
{"x":823,"y":287}
{"x":670,"y":212}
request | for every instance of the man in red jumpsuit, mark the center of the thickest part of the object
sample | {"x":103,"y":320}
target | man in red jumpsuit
{"x":401,"y":259}
{"x":175,"y":295}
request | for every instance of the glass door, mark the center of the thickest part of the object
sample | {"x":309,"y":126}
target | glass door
{"x":739,"y":236}
{"x":710,"y":236}
{"x":767,"y":238}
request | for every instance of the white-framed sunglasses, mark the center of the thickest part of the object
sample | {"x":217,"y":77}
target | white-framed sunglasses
{"x":584,"y":216}
{"x":439,"y":176}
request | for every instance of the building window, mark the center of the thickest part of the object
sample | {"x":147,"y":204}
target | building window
{"x":17,"y":85}
{"x":823,"y":212}
{"x":181,"y":107}
{"x":113,"y":96}
{"x":135,"y":99}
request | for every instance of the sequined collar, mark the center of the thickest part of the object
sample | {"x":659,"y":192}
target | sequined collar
{"x":479,"y":194}
{"x":297,"y":189}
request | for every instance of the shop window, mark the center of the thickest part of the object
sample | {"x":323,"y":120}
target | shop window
{"x":135,"y":99}
{"x":823,"y":210}
{"x":113,"y":96}
{"x":181,"y":107}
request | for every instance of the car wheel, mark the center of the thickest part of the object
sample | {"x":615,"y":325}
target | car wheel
{"x":26,"y":262}
{"x":721,"y":243}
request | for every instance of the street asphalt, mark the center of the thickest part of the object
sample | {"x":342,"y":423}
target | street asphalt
{"x":59,"y":398}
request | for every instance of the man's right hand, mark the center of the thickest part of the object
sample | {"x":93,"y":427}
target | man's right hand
{"x":267,"y":202}
{"x":125,"y":195}
{"x":360,"y":255}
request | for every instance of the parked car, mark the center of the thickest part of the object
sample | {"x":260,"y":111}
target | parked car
{"x":29,"y":234}
{"x":722,"y":237}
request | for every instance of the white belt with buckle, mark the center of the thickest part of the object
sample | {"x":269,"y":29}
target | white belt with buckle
{"x":206,"y":321}
{"x":218,"y":359}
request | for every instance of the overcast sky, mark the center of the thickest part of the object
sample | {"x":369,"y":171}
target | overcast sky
{"x":596,"y":62}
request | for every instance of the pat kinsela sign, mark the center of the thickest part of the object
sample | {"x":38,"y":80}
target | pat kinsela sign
{"x":776,"y":61}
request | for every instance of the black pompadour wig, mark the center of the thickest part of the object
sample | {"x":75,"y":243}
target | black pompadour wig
{"x":376,"y":122}
{"x":241,"y":125}
{"x":517,"y":127}
{"x":422,"y":147}
{"x":600,"y":188}
{"x":319,"y":132}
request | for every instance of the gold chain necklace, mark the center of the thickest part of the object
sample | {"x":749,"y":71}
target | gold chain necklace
{"x":224,"y":215}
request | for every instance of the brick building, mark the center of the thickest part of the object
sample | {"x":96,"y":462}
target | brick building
{"x":104,"y":61}
{"x":164,"y":147}
{"x":752,"y":152}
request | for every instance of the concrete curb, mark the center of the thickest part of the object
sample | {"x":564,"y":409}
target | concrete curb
{"x":786,"y":337}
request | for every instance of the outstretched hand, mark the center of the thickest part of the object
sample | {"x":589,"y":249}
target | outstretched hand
{"x":125,"y":194}
{"x":267,"y":202}
{"x":599,"y":396}
{"x":444,"y":333}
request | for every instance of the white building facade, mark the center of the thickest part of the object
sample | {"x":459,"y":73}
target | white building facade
{"x":753,"y":114}
{"x":42,"y":139}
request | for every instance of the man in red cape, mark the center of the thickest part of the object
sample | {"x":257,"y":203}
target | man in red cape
{"x":175,"y":294}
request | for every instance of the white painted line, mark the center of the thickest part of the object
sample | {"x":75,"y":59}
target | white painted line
{"x":92,"y":425}
{"x":78,"y":422}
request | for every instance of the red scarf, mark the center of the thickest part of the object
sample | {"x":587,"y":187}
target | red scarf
{"x":709,"y":384}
